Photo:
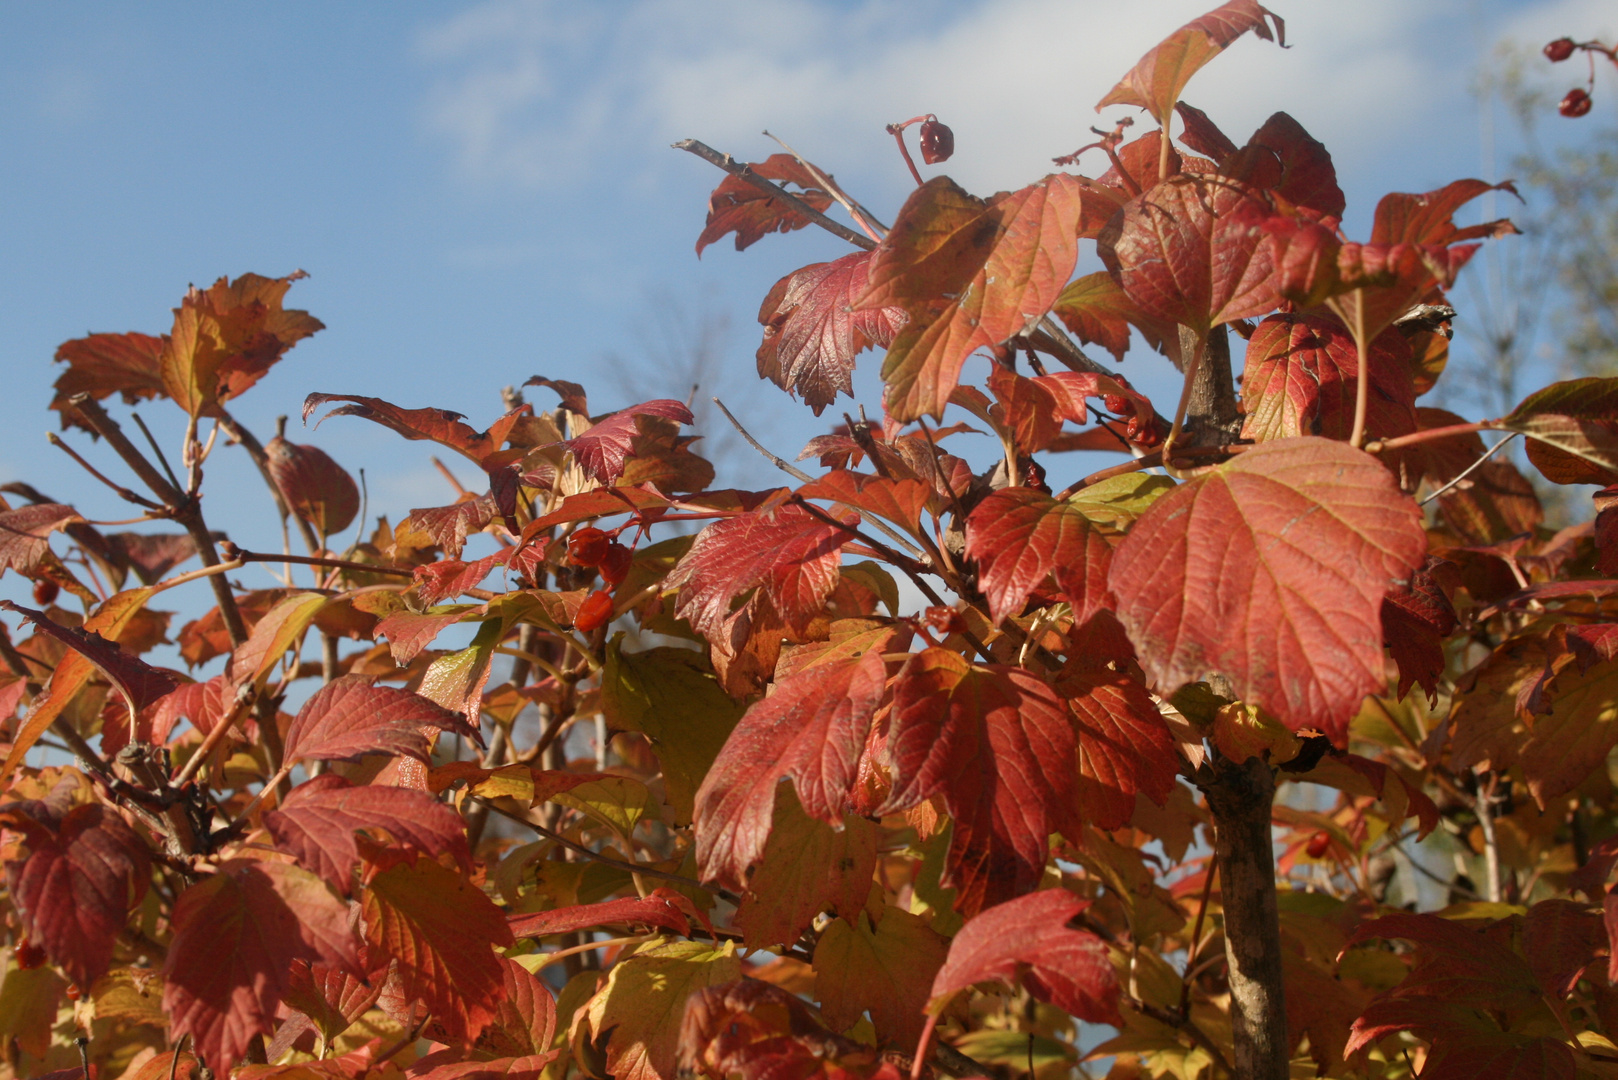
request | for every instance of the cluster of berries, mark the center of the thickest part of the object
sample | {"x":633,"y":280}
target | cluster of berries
{"x":1578,"y":101}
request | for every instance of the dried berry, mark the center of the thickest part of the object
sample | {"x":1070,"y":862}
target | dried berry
{"x":1318,"y":844}
{"x":1577,"y":103}
{"x":586,"y":547}
{"x":29,"y":956}
{"x":596,"y":611}
{"x":614,"y":564}
{"x":1559,"y":50}
{"x":45,"y":592}
{"x":937,"y":142}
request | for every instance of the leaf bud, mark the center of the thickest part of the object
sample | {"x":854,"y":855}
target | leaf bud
{"x":1559,"y":50}
{"x":45,"y":592}
{"x":937,"y":142}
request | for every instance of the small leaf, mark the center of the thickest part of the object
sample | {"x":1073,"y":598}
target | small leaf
{"x":887,"y":969}
{"x":25,"y":534}
{"x":1099,"y":312}
{"x":433,"y":425}
{"x":443,"y":933}
{"x":331,"y":997}
{"x":449,"y":526}
{"x":280,"y":628}
{"x":317,"y":489}
{"x":1022,"y":538}
{"x":1573,"y":430}
{"x":1125,"y":748}
{"x":807,"y":867}
{"x":752,"y":213}
{"x":638,"y":1012}
{"x":1301,"y":377}
{"x":1271,"y":570}
{"x":1282,"y":157}
{"x":1029,"y":936}
{"x":602,"y":450}
{"x":900,"y":501}
{"x":225,"y":339}
{"x":1154,"y":84}
{"x":663,"y":908}
{"x":138,"y":682}
{"x":105,"y":364}
{"x":349,"y":718}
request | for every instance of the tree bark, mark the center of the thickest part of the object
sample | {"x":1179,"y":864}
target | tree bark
{"x":1212,"y":417}
{"x":1239,"y":797}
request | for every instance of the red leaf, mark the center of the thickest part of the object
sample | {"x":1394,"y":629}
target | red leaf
{"x":1416,"y":618}
{"x":104,"y":364}
{"x":408,"y":633}
{"x":317,"y":489}
{"x":349,"y":718}
{"x":151,"y":555}
{"x":1030,"y":937}
{"x":1202,"y":134}
{"x":1560,"y":939}
{"x":525,"y":1022}
{"x":997,"y":747}
{"x":571,"y":393}
{"x":900,"y":501}
{"x":449,"y":526}
{"x":447,"y":578}
{"x":1271,"y":569}
{"x":330,"y":996}
{"x":788,"y":554}
{"x":1302,"y":372}
{"x":1096,"y":309}
{"x":969,"y":274}
{"x":84,"y":866}
{"x":1572,"y":428}
{"x":1427,"y":219}
{"x":1454,"y":962}
{"x":810,"y":730}
{"x":235,"y":933}
{"x":602,"y":451}
{"x":139,"y":682}
{"x":443,"y":932}
{"x":662,"y":908}
{"x":1022,"y":538}
{"x":1190,"y":251}
{"x":812,"y":333}
{"x":433,"y":425}
{"x":1155,"y":82}
{"x":752,"y":213}
{"x":1124,"y":745}
{"x":25,"y":534}
{"x":317,"y":822}
{"x":1282,"y":157}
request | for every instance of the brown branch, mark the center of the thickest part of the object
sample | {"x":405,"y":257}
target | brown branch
{"x":742,"y":171}
{"x":236,"y":554}
{"x":118,"y":489}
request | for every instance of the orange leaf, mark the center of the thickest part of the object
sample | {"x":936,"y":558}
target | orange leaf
{"x":1155,"y":82}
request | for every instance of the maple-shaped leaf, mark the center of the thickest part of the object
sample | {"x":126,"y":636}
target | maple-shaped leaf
{"x":807,"y":867}
{"x":662,"y":907}
{"x":1271,"y":570}
{"x":1572,"y":429}
{"x":790,"y":555}
{"x":1125,"y":747}
{"x":1190,"y":251}
{"x":572,"y":394}
{"x":1154,"y":84}
{"x":810,"y":730}
{"x":1099,"y":312}
{"x":602,"y":450}
{"x":349,"y":718}
{"x":1454,"y":962}
{"x":1427,"y":218}
{"x":968,"y":273}
{"x":449,"y":526}
{"x":1030,"y":937}
{"x":1022,"y":538}
{"x":82,"y":870}
{"x":104,"y":364}
{"x":443,"y":931}
{"x":331,"y":997}
{"x":659,"y":457}
{"x":439,"y":581}
{"x":316,"y":488}
{"x":1282,"y":157}
{"x":280,"y":629}
{"x":637,"y":1014}
{"x":900,"y":500}
{"x":433,"y":425}
{"x":25,"y":534}
{"x":887,"y":968}
{"x":812,"y":332}
{"x":1301,"y":374}
{"x":758,"y":1031}
{"x":316,"y":825}
{"x":235,"y":934}
{"x":752,"y":213}
{"x":226,"y":337}
{"x":1416,"y":618}
{"x":996,"y":746}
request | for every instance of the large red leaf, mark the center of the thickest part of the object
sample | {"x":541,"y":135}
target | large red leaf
{"x":1022,"y":538}
{"x":996,"y":746}
{"x":1155,"y":82}
{"x":83,"y":868}
{"x":1416,"y":618}
{"x":1572,"y":428}
{"x":602,"y":451}
{"x":449,"y":526}
{"x":968,"y":273}
{"x":1271,"y":570}
{"x":899,"y":500}
{"x":349,"y":718}
{"x":317,"y":822}
{"x":1301,"y":374}
{"x":235,"y":934}
{"x":1124,"y":745}
{"x":443,"y":932}
{"x":790,"y":555}
{"x":812,"y":333}
{"x":1029,"y":938}
{"x":25,"y":534}
{"x":1190,"y":251}
{"x":752,"y":213}
{"x":433,"y":425}
{"x":1402,"y":218}
{"x":104,"y":364}
{"x":810,"y":730}
{"x":329,"y":996}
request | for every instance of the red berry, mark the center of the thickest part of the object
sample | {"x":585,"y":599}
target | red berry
{"x":1577,"y":103}
{"x":614,"y":564}
{"x":586,"y":547}
{"x":595,"y":611}
{"x":29,"y":956}
{"x":944,"y":621}
{"x":937,"y":142}
{"x":72,"y":991}
{"x":1116,"y":404}
{"x":45,"y":592}
{"x":1559,"y":50}
{"x":1318,"y":844}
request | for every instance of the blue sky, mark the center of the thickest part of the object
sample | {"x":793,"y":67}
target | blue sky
{"x":484,"y":191}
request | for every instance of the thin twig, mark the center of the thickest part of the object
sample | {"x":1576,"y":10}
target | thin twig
{"x":855,"y":211}
{"x":156,"y":450}
{"x":742,"y":171}
{"x":118,"y":489}
{"x":261,"y":459}
{"x":1487,"y":454}
{"x":241,"y":556}
{"x":780,"y":463}
{"x":1185,"y":1024}
{"x":1195,"y":941}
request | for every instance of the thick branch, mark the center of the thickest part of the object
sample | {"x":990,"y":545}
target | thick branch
{"x":1211,"y":416}
{"x":742,"y":171}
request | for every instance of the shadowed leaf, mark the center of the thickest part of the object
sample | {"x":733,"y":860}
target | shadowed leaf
{"x":349,"y":718}
{"x":752,"y":213}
